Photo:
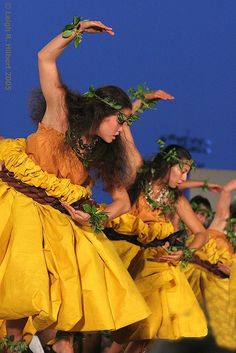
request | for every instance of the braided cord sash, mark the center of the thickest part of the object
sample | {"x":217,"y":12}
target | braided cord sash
{"x":38,"y":194}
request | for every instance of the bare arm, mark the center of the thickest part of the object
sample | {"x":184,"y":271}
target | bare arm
{"x":134,"y":157}
{"x":188,"y":184}
{"x":187,"y":215}
{"x":133,"y":154}
{"x":155,"y":95}
{"x":223,"y":206}
{"x":51,"y":85}
{"x":120,"y":205}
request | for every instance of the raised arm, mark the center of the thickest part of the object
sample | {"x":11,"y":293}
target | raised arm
{"x":188,"y":184}
{"x":223,"y":206}
{"x":134,"y":156}
{"x":189,"y":218}
{"x":187,"y":215}
{"x":151,"y":96}
{"x":51,"y":85}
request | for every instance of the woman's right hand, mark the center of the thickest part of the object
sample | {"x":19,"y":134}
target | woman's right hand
{"x":94,"y":27}
{"x":78,"y":216}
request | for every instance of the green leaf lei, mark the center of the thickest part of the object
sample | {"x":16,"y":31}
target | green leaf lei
{"x":96,"y":217}
{"x":205,"y":185}
{"x":71,"y":28}
{"x":139,"y":93}
{"x":186,"y":256}
{"x":231,"y":235}
{"x":114,"y":105}
{"x":18,"y":347}
{"x":164,"y":202}
{"x":171,"y":156}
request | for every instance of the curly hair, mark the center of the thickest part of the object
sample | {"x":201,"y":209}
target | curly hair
{"x":156,"y":169}
{"x":109,"y":160}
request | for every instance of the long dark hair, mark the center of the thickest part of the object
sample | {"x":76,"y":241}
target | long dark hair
{"x":108,"y":160}
{"x":157,"y":168}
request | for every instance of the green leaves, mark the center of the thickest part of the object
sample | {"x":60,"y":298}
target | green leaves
{"x":96,"y":217}
{"x":172,"y":157}
{"x":129,"y":119}
{"x":18,"y":347}
{"x":71,"y":28}
{"x":187,"y":256}
{"x":139,"y":93}
{"x":205,"y":185}
{"x":230,"y":233}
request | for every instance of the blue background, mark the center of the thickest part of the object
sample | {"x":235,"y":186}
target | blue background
{"x":187,"y":48}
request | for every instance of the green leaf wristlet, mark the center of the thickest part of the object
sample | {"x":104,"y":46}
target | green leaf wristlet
{"x":71,"y":28}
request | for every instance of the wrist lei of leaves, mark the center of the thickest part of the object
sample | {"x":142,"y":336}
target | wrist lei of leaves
{"x":7,"y":342}
{"x":139,"y":93}
{"x":172,"y":157}
{"x":187,"y":256}
{"x":97,"y":217}
{"x":205,"y":185}
{"x":122,"y":118}
{"x":72,"y":28}
{"x":230,"y":233}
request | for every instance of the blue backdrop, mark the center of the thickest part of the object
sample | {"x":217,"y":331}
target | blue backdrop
{"x":187,"y":48}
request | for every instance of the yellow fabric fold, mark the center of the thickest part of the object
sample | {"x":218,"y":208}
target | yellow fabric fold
{"x":12,"y":152}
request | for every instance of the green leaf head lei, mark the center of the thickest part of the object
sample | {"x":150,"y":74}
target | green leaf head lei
{"x":122,"y":118}
{"x":171,"y":156}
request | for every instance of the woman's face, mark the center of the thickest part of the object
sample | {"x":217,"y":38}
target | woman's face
{"x":110,"y":128}
{"x":178,"y":174}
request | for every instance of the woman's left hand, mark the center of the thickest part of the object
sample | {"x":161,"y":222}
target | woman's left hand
{"x":94,"y":27}
{"x":174,"y":256}
{"x":159,"y":94}
{"x":214,"y":187}
{"x":78,"y":216}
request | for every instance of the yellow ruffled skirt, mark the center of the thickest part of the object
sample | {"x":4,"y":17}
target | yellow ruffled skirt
{"x":175,"y":311}
{"x":62,"y":275}
{"x":215,"y":294}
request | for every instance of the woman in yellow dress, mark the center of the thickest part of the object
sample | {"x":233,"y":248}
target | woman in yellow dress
{"x":54,"y":267}
{"x":175,"y":312}
{"x":212,"y":291}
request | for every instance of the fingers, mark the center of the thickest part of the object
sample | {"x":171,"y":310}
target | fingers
{"x":163,"y":95}
{"x":94,"y":27}
{"x":174,"y":256}
{"x":159,"y":94}
{"x":77,"y":215}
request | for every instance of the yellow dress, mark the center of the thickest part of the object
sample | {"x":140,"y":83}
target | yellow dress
{"x":175,"y":311}
{"x":51,"y":269}
{"x":213,"y":291}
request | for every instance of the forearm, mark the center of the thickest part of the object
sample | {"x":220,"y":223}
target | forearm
{"x":200,"y":239}
{"x":55,"y":47}
{"x":191,"y":184}
{"x":117,"y":208}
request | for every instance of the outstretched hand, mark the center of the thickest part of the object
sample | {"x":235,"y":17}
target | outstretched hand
{"x":78,"y":216}
{"x":214,"y":187}
{"x":159,"y":94}
{"x":94,"y":27}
